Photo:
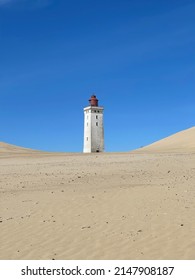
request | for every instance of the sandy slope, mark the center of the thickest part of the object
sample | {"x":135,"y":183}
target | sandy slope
{"x":183,"y":141}
{"x":97,"y":206}
{"x":8,"y":148}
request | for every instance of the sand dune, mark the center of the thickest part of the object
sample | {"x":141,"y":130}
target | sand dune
{"x":8,"y":148}
{"x":98,"y":206}
{"x":183,"y":141}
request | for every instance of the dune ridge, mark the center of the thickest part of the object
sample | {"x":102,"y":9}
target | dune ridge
{"x":183,"y":141}
{"x":9,"y":148}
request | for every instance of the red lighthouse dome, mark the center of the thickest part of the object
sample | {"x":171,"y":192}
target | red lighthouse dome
{"x":93,"y":101}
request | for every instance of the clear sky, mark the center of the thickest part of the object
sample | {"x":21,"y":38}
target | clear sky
{"x":137,"y":56}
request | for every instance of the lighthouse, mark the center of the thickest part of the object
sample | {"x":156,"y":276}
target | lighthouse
{"x":93,"y":127}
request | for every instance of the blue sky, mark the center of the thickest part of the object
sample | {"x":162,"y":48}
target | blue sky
{"x":137,"y":56}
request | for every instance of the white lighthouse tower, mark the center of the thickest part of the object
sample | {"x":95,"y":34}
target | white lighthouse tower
{"x":93,"y":127}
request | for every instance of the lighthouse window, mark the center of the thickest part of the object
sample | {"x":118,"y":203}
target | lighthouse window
{"x":87,"y":138}
{"x":96,"y":123}
{"x":87,"y":123}
{"x":96,"y":117}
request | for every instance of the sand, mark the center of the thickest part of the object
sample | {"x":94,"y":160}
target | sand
{"x":182,"y":141}
{"x":97,"y":206}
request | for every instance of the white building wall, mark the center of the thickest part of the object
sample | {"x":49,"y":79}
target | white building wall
{"x":87,"y":130}
{"x":93,"y":129}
